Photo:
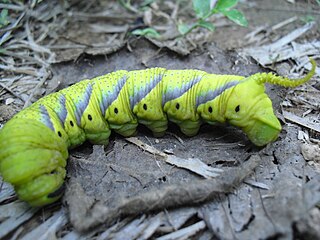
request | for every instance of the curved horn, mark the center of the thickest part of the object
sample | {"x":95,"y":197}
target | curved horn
{"x":262,"y":78}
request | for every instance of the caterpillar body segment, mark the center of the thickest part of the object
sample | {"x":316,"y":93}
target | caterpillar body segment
{"x":33,"y":160}
{"x":34,"y":144}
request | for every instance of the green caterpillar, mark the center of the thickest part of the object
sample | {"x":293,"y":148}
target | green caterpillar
{"x":34,"y":143}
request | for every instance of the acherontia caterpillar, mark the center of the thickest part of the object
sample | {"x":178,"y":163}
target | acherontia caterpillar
{"x":34,"y":143}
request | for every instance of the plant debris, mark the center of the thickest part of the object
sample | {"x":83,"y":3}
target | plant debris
{"x":87,"y":213}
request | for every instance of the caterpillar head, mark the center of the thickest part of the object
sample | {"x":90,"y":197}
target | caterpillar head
{"x":251,"y":109}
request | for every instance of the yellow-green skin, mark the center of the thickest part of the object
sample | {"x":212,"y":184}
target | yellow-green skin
{"x":34,"y":144}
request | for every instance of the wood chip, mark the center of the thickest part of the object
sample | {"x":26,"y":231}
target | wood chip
{"x":285,"y":48}
{"x":185,"y":233}
{"x":49,"y":228}
{"x":257,"y":184}
{"x":13,"y":215}
{"x":192,"y":164}
{"x":6,"y":190}
{"x":301,"y":121}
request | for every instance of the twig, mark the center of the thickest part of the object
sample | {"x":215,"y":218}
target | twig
{"x":301,"y":121}
{"x":14,"y":25}
{"x":23,"y":70}
{"x":10,"y":91}
{"x":286,"y":10}
{"x":12,"y":7}
{"x":6,"y":36}
{"x":185,"y":233}
{"x":146,"y":147}
{"x":43,"y":79}
{"x":283,"y":23}
{"x":103,"y":16}
{"x":176,"y":136}
{"x":291,"y":36}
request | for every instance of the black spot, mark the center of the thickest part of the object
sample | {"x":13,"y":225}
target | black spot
{"x":59,"y":134}
{"x":116,"y":110}
{"x":71,"y":123}
{"x":89,"y":117}
{"x":145,"y":107}
{"x":237,"y":109}
{"x":177,"y":106}
{"x":57,"y":192}
{"x":162,"y":179}
{"x":210,"y":109}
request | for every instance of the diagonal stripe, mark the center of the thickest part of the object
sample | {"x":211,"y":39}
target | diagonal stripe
{"x":179,"y":91}
{"x":212,"y":94}
{"x":83,"y":103}
{"x":62,"y":112}
{"x":45,"y":118}
{"x":143,"y":91}
{"x":110,"y":96}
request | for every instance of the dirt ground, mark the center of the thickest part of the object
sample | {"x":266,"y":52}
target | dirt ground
{"x":124,"y":191}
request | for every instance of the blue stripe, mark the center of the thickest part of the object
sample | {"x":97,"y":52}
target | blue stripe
{"x":109,"y":96}
{"x":179,"y":91}
{"x":62,"y":112}
{"x":212,"y":94}
{"x":83,"y":103}
{"x":143,"y":91}
{"x":45,"y":118}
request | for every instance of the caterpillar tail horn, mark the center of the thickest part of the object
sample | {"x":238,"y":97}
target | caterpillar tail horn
{"x":283,"y":81}
{"x":33,"y":160}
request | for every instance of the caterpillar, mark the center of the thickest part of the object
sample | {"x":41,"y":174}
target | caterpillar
{"x":34,"y":143}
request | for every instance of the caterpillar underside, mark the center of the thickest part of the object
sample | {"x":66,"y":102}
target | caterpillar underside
{"x":34,"y":144}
